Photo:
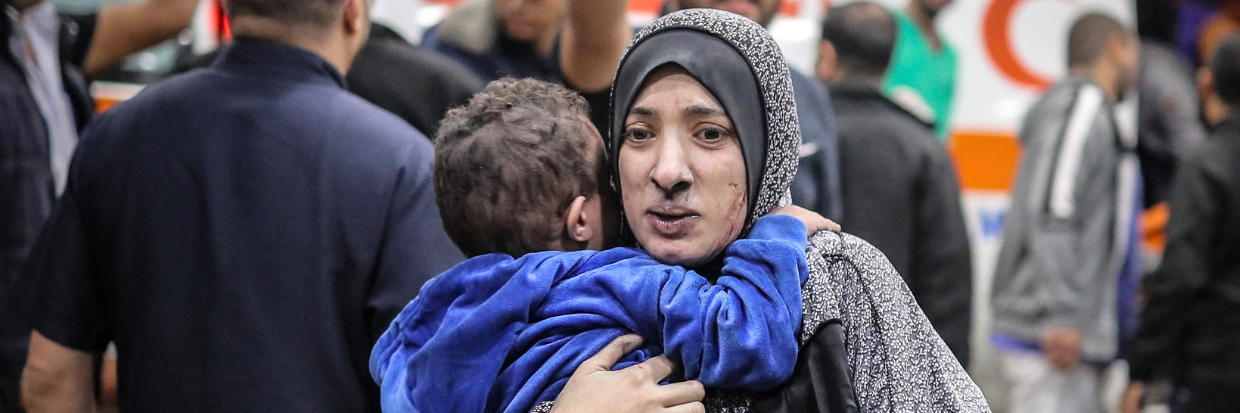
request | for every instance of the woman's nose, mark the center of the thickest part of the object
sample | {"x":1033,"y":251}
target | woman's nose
{"x":671,"y":173}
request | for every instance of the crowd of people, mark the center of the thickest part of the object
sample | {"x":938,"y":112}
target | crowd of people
{"x":540,"y":209}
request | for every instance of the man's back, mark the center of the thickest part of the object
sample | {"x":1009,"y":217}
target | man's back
{"x":244,"y":234}
{"x":900,"y":194}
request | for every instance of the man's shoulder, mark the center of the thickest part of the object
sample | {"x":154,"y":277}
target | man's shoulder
{"x":391,"y":60}
{"x":873,"y":111}
{"x":1057,"y":104}
{"x":1218,"y":153}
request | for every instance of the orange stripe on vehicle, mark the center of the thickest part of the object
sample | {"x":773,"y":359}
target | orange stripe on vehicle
{"x":985,"y":160}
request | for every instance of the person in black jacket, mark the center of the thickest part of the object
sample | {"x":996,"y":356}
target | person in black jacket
{"x":417,"y":85}
{"x":1189,"y":333}
{"x":44,"y":102}
{"x":899,"y":187}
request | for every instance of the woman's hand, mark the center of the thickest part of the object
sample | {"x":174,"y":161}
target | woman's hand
{"x":813,"y":222}
{"x":595,"y":388}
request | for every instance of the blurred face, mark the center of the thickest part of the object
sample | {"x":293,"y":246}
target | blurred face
{"x":761,"y":11}
{"x":530,"y":20}
{"x":933,"y":7}
{"x":22,"y":4}
{"x":682,"y":175}
{"x":1129,"y":62}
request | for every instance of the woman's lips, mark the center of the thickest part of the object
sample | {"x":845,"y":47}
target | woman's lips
{"x":671,"y":222}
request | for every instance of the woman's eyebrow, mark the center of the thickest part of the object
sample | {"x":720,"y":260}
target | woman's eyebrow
{"x":697,"y":110}
{"x":643,"y":111}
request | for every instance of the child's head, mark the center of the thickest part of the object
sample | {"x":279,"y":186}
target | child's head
{"x":521,"y":169}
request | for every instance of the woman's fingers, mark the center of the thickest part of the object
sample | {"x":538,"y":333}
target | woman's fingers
{"x":653,"y":370}
{"x":677,"y":394}
{"x":813,"y":222}
{"x":635,"y":389}
{"x":830,"y":225}
{"x":695,"y":407}
{"x":609,"y":355}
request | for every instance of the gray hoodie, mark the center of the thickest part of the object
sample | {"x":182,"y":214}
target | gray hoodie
{"x":1066,"y":236}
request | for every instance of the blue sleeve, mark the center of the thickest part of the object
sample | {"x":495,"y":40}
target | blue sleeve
{"x":741,"y":331}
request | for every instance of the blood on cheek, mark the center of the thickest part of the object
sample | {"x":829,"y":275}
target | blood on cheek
{"x":735,"y":216}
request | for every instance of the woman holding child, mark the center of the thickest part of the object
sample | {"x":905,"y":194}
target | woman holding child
{"x":705,"y":143}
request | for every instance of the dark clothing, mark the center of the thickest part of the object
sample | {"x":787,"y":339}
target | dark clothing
{"x":415,"y":84}
{"x":505,"y":58}
{"x":412,"y":83}
{"x":26,"y":189}
{"x":1189,"y":332}
{"x":1169,"y":121}
{"x":817,"y":183}
{"x":243,"y":233}
{"x":900,"y":193}
{"x":491,"y":55}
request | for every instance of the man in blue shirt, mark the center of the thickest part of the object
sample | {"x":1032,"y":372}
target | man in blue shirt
{"x":242,"y":233}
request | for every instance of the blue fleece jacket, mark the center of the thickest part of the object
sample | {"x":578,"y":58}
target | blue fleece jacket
{"x":502,"y":334}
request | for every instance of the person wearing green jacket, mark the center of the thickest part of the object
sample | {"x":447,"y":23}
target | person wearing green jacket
{"x":922,"y":78}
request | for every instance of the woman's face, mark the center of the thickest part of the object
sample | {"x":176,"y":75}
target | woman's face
{"x":682,"y":174}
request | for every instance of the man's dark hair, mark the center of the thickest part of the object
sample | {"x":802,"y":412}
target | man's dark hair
{"x":1088,"y":38}
{"x":864,"y":36}
{"x":1225,"y":68}
{"x":298,"y":12}
{"x":510,"y":162}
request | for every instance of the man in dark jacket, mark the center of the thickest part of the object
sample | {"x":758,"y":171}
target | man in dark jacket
{"x":417,"y":85}
{"x":1189,"y":333}
{"x":243,"y":233}
{"x":43,"y":103}
{"x":899,"y":186}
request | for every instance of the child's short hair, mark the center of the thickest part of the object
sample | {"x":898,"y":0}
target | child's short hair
{"x":510,"y":162}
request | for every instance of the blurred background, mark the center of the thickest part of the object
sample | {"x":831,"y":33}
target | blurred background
{"x":1009,"y":52}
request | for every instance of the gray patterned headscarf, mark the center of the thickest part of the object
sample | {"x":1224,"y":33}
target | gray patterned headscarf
{"x":897,"y":362}
{"x":738,"y":62}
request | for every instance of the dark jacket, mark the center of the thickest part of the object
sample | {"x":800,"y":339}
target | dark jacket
{"x":817,"y":182}
{"x":243,"y":233}
{"x":900,"y":193}
{"x":472,"y":35}
{"x":26,"y":190}
{"x":415,"y":84}
{"x":1190,"y":329}
{"x":410,"y":82}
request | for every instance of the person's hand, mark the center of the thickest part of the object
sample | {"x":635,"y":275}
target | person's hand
{"x":813,"y":222}
{"x":1062,"y":346}
{"x":1132,"y":398}
{"x":595,"y":388}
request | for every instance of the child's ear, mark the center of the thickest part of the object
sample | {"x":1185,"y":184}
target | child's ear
{"x":576,"y":223}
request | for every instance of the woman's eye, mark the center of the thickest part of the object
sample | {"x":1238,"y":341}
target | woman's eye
{"x":636,"y":135}
{"x":712,"y":134}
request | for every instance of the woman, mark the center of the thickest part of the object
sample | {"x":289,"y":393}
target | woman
{"x":705,"y":138}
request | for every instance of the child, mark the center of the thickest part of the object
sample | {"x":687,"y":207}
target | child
{"x":519,"y":171}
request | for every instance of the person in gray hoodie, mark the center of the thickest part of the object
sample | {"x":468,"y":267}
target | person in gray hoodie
{"x":1067,"y":269}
